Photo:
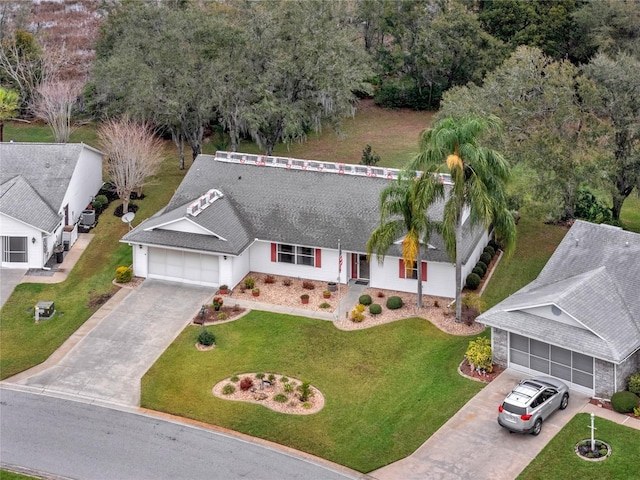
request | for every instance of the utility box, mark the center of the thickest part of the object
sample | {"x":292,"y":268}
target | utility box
{"x":44,"y":310}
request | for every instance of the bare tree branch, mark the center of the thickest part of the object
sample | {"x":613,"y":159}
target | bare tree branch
{"x":53,"y":101}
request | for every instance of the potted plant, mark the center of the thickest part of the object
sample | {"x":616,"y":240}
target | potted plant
{"x":255,"y":292}
{"x":305,"y":298}
{"x":217,"y":303}
{"x":326,"y":294}
{"x":224,"y":289}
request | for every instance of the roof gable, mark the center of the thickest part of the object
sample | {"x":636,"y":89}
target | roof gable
{"x":19,"y":200}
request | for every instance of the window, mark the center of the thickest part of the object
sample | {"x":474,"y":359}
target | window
{"x":14,"y":249}
{"x":295,"y":255}
{"x":412,"y":272}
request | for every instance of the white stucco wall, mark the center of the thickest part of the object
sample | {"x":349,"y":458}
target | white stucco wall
{"x":36,"y":257}
{"x":84,"y":185}
{"x":441,"y":278}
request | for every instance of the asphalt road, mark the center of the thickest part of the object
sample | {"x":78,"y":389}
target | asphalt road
{"x":69,"y":439}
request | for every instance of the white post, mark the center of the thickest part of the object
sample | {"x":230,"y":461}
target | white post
{"x":339,"y":271}
{"x":37,"y":314}
{"x":593,"y":429}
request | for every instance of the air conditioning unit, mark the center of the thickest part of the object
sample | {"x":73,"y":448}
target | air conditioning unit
{"x":88,"y":218}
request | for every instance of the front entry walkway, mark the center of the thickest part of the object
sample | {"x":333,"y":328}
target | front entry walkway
{"x":108,"y":363}
{"x":472,"y":444}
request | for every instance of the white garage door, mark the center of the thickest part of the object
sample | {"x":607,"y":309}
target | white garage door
{"x":533,"y":356}
{"x":180,"y":266}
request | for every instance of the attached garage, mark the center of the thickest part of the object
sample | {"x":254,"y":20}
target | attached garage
{"x":184,"y":266}
{"x":536,"y":357}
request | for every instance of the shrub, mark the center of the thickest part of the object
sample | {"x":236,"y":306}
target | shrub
{"x":123,"y":274}
{"x":634,"y":383}
{"x":206,"y":338}
{"x":228,"y":389}
{"x":483,"y":266}
{"x":486,"y":258}
{"x":234,"y":379}
{"x":375,"y":309}
{"x":473,"y":281}
{"x":288,"y":387}
{"x":259,"y":375}
{"x":380,"y":294}
{"x":357,"y":315}
{"x":478,"y":271}
{"x":284,"y":379}
{"x":271,"y":378}
{"x":624,"y":401}
{"x":305,"y":391}
{"x":394,"y":303}
{"x":324,"y":305}
{"x":360,"y":308}
{"x":222,"y":316}
{"x":249,"y":283}
{"x":436,"y":303}
{"x":489,"y":249}
{"x":493,"y":244}
{"x":100,"y":202}
{"x":269,"y":279}
{"x":287,"y":282}
{"x":474,"y":301}
{"x":280,"y":398}
{"x":365,"y":299}
{"x":246,"y":383}
{"x":308,"y":285}
{"x":479,"y":354}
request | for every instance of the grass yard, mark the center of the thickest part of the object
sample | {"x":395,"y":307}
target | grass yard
{"x":630,"y":214}
{"x":386,"y":389}
{"x":7,"y":475}
{"x":536,"y":242}
{"x":559,"y":461}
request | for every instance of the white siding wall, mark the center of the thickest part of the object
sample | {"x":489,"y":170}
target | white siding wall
{"x":11,"y":227}
{"x":475,"y":256}
{"x":84,"y":185}
{"x":441,"y":278}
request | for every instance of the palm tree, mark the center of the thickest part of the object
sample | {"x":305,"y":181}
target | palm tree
{"x":8,"y":107}
{"x":403,"y":211}
{"x":479,"y":176}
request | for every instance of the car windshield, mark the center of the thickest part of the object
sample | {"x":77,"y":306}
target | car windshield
{"x":514,"y":408}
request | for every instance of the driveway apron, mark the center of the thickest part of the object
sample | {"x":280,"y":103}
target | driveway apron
{"x":109,"y":362}
{"x":471,"y":445}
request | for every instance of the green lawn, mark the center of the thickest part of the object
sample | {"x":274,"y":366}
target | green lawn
{"x":386,"y":389}
{"x":559,"y":461}
{"x":7,"y":475}
{"x":630,"y":214}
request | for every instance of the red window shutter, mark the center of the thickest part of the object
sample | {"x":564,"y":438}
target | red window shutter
{"x":424,"y":271}
{"x":402,"y":271}
{"x":318,"y":258}
{"x":274,"y":252}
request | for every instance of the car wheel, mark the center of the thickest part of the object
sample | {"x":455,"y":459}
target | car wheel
{"x":537,"y":427}
{"x":564,"y":402}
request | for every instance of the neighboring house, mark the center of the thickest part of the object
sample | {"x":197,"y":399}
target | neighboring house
{"x":580,"y":319}
{"x":44,"y":189}
{"x":235,"y":213}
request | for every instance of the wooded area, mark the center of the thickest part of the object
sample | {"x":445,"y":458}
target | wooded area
{"x":560,"y":74}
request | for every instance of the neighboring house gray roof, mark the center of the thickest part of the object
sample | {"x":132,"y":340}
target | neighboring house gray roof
{"x":593,"y":276}
{"x":19,"y":200}
{"x":46,"y":170}
{"x":300,"y":207}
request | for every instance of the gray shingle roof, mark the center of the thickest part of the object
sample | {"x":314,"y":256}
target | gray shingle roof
{"x":290,"y":206}
{"x":594,"y":276}
{"x":19,"y":200}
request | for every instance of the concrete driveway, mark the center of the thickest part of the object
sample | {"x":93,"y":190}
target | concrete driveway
{"x":108,"y":363}
{"x":9,"y":278}
{"x":472,"y":444}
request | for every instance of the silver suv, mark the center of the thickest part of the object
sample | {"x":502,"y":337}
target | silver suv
{"x":531,"y":402}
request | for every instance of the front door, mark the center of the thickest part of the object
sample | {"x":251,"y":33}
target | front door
{"x":363,"y":267}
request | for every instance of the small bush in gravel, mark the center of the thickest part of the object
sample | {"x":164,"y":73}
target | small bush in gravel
{"x":249,"y":283}
{"x":380,"y":294}
{"x":624,"y":401}
{"x":486,"y":258}
{"x":473,"y":281}
{"x":246,"y":383}
{"x":259,"y":375}
{"x":222,"y":316}
{"x":375,"y":309}
{"x":394,"y":303}
{"x":280,"y":398}
{"x":206,"y":338}
{"x":365,"y":299}
{"x":308,"y":285}
{"x":289,"y":387}
{"x":271,"y":378}
{"x":287,"y":282}
{"x":234,"y":379}
{"x":324,"y":305}
{"x":357,"y":314}
{"x":284,"y":379}
{"x":269,"y":279}
{"x":305,"y":392}
{"x":634,"y":383}
{"x":123,"y":274}
{"x":228,"y":389}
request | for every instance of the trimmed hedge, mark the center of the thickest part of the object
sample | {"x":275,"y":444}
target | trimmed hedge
{"x":478,"y":271}
{"x":375,"y":309}
{"x":624,"y":401}
{"x":473,"y":281}
{"x":206,"y":338}
{"x":365,"y":300}
{"x":394,"y":303}
{"x":486,"y":258}
{"x":489,"y":249}
{"x":482,"y":265}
